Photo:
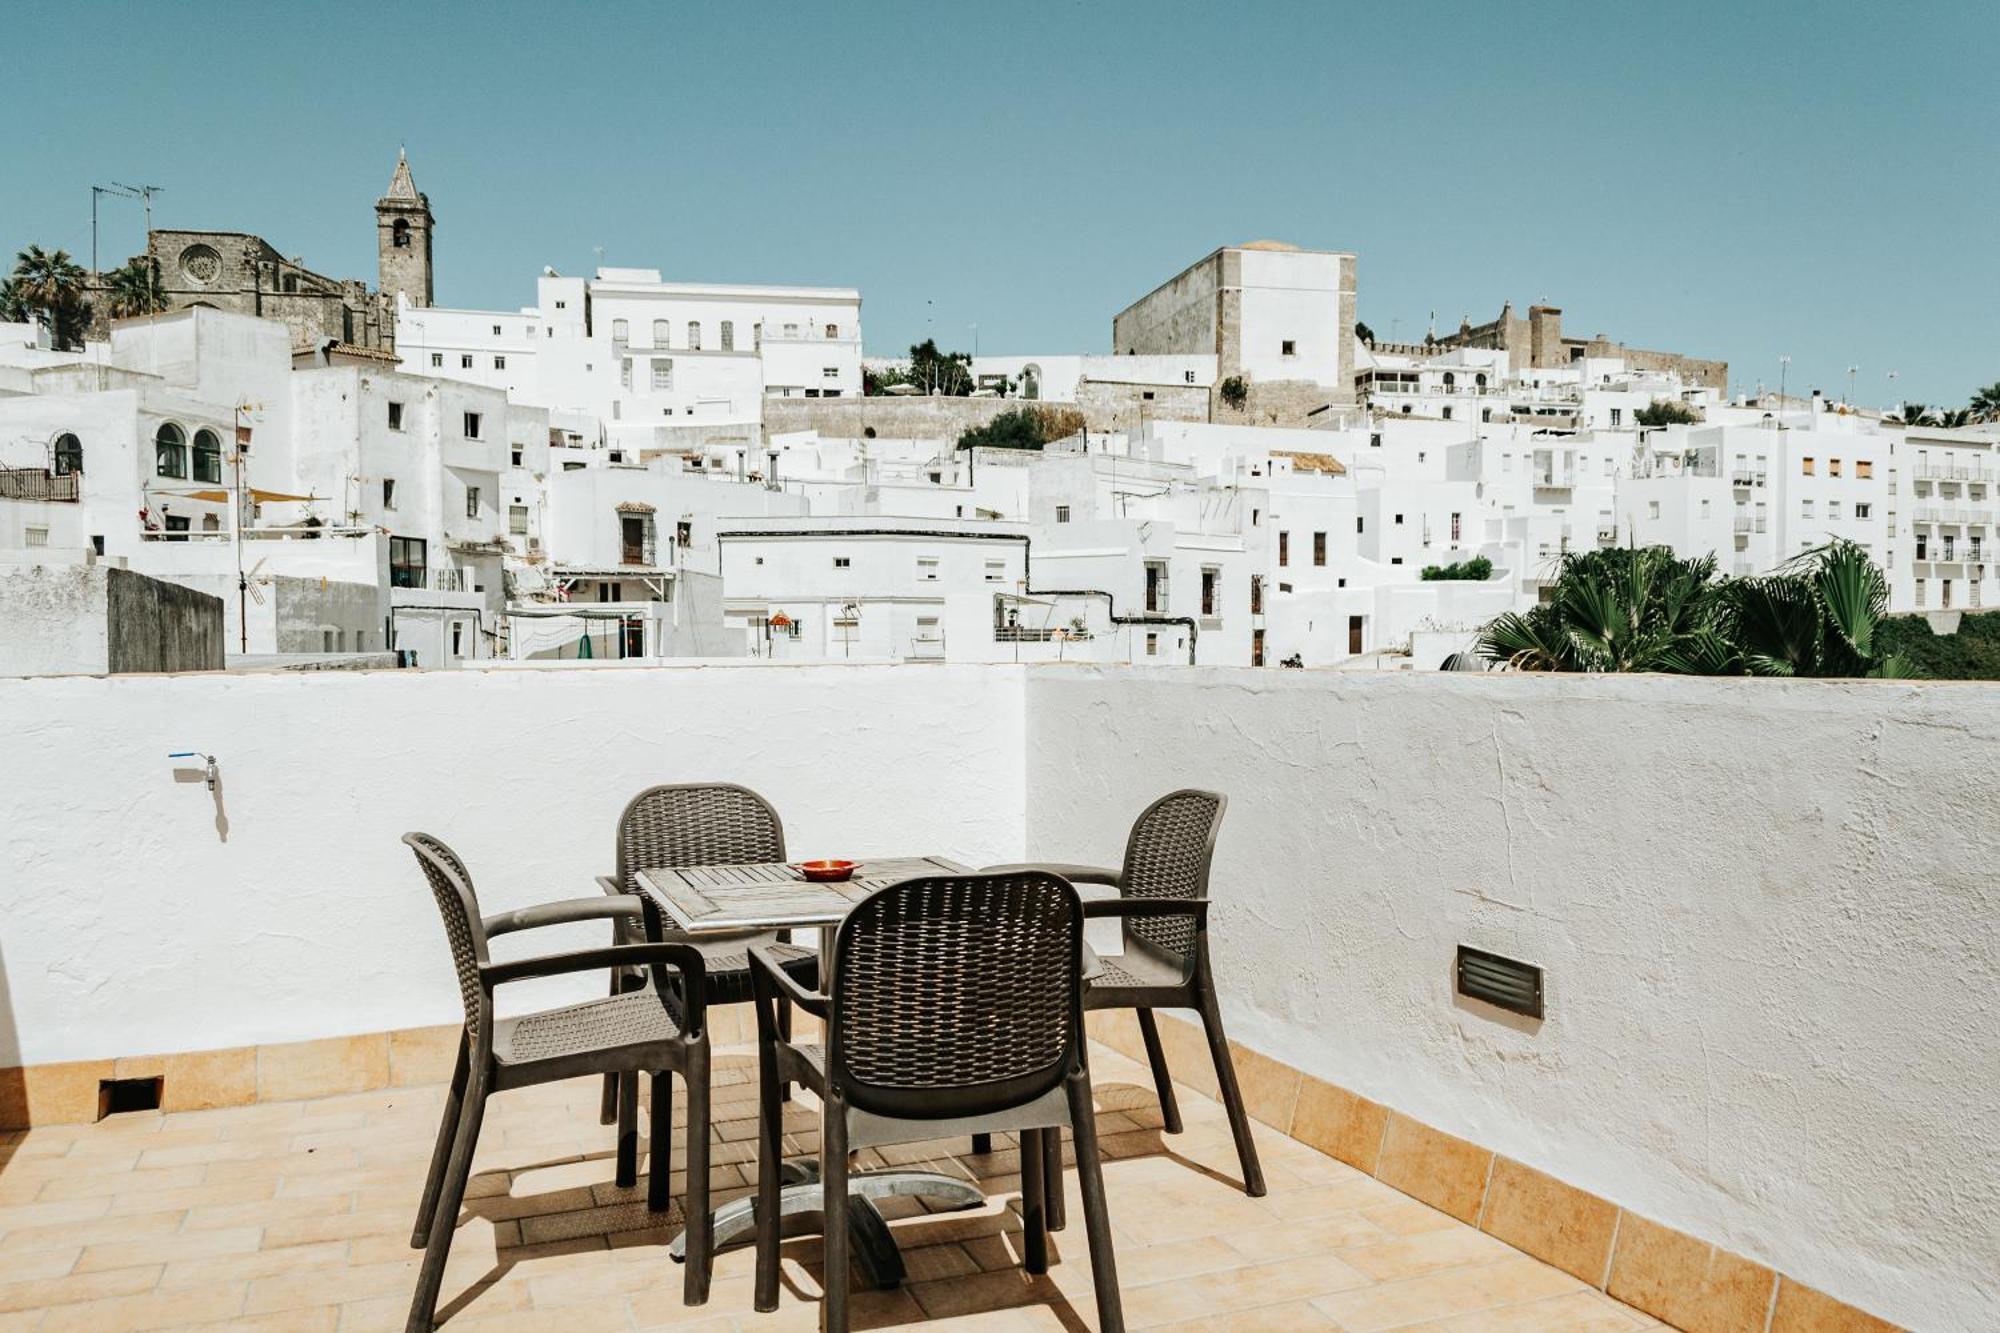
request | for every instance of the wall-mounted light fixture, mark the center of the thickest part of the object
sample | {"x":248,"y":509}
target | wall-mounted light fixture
{"x":1505,"y":983}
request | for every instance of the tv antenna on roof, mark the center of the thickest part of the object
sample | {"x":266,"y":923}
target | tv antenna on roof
{"x":144,"y":193}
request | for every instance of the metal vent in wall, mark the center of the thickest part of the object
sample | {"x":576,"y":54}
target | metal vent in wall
{"x":1503,"y":982}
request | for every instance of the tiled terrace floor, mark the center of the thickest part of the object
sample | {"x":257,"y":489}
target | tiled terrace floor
{"x":296,"y":1216}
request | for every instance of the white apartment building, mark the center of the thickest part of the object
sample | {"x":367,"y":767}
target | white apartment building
{"x":646,"y":357}
{"x":357,"y":511}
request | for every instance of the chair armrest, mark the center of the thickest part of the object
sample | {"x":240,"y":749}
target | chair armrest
{"x":769,"y":980}
{"x":560,"y":913}
{"x":1131,"y":907}
{"x":1076,"y":874}
{"x":683,"y":958}
{"x":608,"y":884}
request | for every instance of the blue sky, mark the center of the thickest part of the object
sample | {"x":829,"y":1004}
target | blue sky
{"x":1724,"y":180}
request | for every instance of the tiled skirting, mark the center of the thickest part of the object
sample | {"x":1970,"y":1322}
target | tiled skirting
{"x":1672,"y":1276}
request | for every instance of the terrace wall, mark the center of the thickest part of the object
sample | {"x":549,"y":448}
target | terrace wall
{"x":1766,"y":908}
{"x":1767,"y":911}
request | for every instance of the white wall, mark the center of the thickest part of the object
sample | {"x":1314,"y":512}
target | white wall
{"x":135,"y":926}
{"x":1766,"y":910}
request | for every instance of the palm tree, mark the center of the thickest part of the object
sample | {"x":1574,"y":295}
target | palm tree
{"x":14,"y":308}
{"x":1817,"y":615}
{"x":1914,"y":414}
{"x":1954,"y":418}
{"x":51,"y":282}
{"x":1620,"y":609}
{"x":136,"y":289}
{"x":1986,"y":402}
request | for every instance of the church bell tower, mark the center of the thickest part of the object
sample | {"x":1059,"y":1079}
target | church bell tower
{"x":403,"y":225}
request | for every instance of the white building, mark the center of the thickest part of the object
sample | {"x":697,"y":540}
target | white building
{"x":654,"y":361}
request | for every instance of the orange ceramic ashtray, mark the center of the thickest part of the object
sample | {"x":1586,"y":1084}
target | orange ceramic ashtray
{"x":827,"y":872}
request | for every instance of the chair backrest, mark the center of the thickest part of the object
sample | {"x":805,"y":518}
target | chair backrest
{"x":696,"y":824}
{"x":451,"y":885}
{"x":1168,"y":856}
{"x":957,"y":995}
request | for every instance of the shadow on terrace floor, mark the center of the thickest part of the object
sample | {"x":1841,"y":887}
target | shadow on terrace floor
{"x":298,"y":1214}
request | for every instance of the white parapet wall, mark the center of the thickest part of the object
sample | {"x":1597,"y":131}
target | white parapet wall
{"x":145,"y":915}
{"x":1768,"y":913}
{"x":1766,"y":909}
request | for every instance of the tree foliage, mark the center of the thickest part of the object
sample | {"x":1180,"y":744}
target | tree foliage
{"x":1986,"y":402}
{"x":1478,"y":569}
{"x":49,"y":283}
{"x":1024,"y":428}
{"x":136,"y":289}
{"x":1973,"y":653}
{"x":1363,"y":333}
{"x":1666,"y":412}
{"x":1234,"y":392}
{"x":1647,"y":609}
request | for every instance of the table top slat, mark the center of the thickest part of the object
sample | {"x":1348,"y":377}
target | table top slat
{"x":706,"y":900}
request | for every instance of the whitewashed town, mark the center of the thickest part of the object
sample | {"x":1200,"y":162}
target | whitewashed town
{"x":635,"y":465}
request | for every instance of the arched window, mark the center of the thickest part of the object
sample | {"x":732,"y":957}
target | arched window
{"x":1031,"y":381}
{"x":207,"y":456}
{"x":170,"y":450}
{"x":662,"y":336}
{"x":1479,"y":380}
{"x":69,"y":455}
{"x":621,"y":330}
{"x":399,"y":234}
{"x":728,"y":335}
{"x":694,"y":335}
{"x":1450,"y":381}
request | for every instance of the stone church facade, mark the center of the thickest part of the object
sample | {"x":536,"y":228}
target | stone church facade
{"x":246,"y":274}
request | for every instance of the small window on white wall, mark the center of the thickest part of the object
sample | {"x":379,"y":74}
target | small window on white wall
{"x":996,"y":571}
{"x":663,"y":373}
{"x":621,"y":330}
{"x":694,"y":335}
{"x":662,"y":336}
{"x":728,"y":335}
{"x":927,"y":569}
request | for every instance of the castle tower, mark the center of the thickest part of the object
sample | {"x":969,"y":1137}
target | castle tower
{"x":403,"y":225}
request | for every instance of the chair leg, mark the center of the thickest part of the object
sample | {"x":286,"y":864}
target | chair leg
{"x":628,"y":1130}
{"x":1232,"y":1096}
{"x":1052,"y":1178}
{"x":770,"y":1161}
{"x":1096,"y":1216}
{"x":454,"y":1106}
{"x":700,"y":1222}
{"x":1034,"y":1201}
{"x":982,"y":1144}
{"x":1170,"y":1110}
{"x":660,"y":1147}
{"x":444,"y":1221}
{"x":833,"y":1213}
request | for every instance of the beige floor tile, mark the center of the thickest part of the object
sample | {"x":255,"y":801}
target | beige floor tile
{"x":148,"y":1311}
{"x":1439,"y":1295}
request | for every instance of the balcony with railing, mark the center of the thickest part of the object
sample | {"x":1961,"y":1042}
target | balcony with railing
{"x":39,"y":484}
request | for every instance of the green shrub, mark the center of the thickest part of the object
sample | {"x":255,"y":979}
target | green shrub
{"x":1023,"y":428}
{"x":1235,"y":392}
{"x":1476,"y":570}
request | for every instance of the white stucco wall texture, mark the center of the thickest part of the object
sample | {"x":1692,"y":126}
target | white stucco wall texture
{"x":1766,"y":910}
{"x":133,"y":925}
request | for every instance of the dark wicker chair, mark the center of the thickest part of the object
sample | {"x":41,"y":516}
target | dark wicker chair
{"x":694,"y":824}
{"x":657,"y":1030}
{"x":1165,"y":963}
{"x":956,"y":1007}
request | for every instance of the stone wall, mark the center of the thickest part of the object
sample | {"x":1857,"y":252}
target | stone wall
{"x":1179,"y":316}
{"x":1105,"y":406}
{"x":153,"y":625}
{"x":245,"y":274}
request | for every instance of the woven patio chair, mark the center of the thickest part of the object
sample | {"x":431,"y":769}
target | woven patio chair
{"x":955,"y":1008}
{"x":1165,"y":964}
{"x":659,"y":1030}
{"x":694,"y":824}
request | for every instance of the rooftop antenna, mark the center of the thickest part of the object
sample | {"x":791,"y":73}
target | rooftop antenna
{"x":144,"y":193}
{"x":123,"y":192}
